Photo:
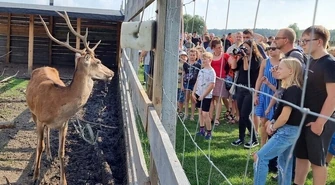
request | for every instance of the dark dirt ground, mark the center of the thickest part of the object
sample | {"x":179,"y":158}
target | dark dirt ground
{"x":103,"y":163}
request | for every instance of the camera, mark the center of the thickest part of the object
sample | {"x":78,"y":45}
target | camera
{"x":238,"y":51}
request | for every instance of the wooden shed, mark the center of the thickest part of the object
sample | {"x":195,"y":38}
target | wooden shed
{"x":23,"y":35}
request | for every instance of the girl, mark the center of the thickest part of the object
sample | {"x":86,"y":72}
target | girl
{"x":285,"y":122}
{"x":266,"y":83}
{"x":190,"y":74}
{"x":242,"y":64}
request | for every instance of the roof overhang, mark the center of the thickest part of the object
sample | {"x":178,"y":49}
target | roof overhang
{"x":46,"y":10}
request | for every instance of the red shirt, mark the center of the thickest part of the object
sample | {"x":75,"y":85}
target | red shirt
{"x":219,"y":65}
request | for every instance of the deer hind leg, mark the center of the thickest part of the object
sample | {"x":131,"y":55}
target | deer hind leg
{"x":47,"y":140}
{"x":39,"y":149}
{"x":61,"y":152}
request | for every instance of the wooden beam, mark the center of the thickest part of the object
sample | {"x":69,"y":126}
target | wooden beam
{"x":79,"y":31}
{"x":31,"y":44}
{"x":118,"y":50}
{"x":166,"y":161}
{"x":135,"y":7}
{"x":8,"y":38}
{"x":51,"y":25}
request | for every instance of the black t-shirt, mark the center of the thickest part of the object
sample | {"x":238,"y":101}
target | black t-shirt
{"x":243,"y":74}
{"x":191,"y":72}
{"x":321,"y":71}
{"x":293,"y":95}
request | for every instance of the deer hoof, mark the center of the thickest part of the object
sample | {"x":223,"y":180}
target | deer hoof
{"x":36,"y":182}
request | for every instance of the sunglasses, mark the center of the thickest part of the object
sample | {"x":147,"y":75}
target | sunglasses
{"x":270,"y":48}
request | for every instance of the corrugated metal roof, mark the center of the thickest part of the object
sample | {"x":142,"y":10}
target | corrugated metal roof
{"x":99,"y":14}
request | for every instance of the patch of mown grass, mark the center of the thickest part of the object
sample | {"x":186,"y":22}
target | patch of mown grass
{"x":230,"y":160}
{"x":14,"y":88}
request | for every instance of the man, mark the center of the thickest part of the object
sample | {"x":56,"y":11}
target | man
{"x":312,"y":145}
{"x":239,"y":41}
{"x":225,"y":42}
{"x":249,"y":34}
{"x":195,"y":39}
{"x":285,"y":40}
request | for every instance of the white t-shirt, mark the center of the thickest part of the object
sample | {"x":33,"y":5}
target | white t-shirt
{"x":231,"y":48}
{"x":147,"y":59}
{"x":205,"y":77}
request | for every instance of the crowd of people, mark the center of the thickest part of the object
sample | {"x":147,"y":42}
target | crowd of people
{"x":209,"y":68}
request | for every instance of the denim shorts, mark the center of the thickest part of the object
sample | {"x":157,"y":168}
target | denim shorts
{"x":181,"y":96}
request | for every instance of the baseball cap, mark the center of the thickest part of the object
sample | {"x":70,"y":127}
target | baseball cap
{"x":182,"y":53}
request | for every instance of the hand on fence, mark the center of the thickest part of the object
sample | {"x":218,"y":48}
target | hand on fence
{"x":316,"y":128}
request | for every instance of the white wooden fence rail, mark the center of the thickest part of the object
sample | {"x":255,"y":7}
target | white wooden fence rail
{"x":135,"y":101}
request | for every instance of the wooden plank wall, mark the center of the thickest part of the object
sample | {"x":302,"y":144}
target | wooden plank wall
{"x":3,"y":35}
{"x":107,"y":31}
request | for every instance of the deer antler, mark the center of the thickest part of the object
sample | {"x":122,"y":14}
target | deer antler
{"x":82,"y":37}
{"x":66,"y":44}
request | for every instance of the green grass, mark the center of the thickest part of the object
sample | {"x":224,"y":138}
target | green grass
{"x":230,"y":160}
{"x":13,"y":88}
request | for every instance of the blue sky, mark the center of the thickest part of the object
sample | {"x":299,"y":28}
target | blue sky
{"x":272,"y":13}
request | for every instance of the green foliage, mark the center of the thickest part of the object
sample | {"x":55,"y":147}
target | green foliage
{"x":295,"y":27}
{"x":192,"y":24}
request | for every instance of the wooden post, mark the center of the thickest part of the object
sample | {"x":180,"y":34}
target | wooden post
{"x":170,"y":68}
{"x":78,"y":31}
{"x":8,"y":38}
{"x":51,"y":23}
{"x":31,"y":44}
{"x":166,"y":64}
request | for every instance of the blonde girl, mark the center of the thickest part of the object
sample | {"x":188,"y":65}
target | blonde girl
{"x":284,"y":126}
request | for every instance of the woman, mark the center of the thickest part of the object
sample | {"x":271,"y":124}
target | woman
{"x":242,"y":64}
{"x":285,"y":124}
{"x":220,"y":93}
{"x":266,"y":83}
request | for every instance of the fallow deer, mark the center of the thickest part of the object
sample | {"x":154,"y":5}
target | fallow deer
{"x":52,"y":103}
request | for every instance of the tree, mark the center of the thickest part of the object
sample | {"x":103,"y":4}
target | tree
{"x":295,"y":27}
{"x":198,"y":24}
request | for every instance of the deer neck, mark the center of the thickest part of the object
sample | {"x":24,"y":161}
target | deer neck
{"x":80,"y":88}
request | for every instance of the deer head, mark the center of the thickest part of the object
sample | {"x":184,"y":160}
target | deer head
{"x":85,"y":58}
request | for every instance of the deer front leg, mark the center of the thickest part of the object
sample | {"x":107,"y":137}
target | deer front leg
{"x":47,"y":140}
{"x":61,"y":153}
{"x":39,"y":149}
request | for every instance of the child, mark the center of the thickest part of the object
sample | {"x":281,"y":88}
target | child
{"x":181,"y":93}
{"x":202,"y":94}
{"x":285,"y":122}
{"x":190,"y":74}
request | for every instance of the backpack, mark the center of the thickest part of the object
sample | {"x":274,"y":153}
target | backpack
{"x":305,"y":58}
{"x":299,"y":51}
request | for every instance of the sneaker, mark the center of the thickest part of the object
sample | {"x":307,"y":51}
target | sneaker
{"x":237,"y":142}
{"x":251,"y":144}
{"x":208,"y":137}
{"x":201,"y":133}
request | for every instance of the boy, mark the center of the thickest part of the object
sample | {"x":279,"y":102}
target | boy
{"x":181,"y":94}
{"x":202,"y":94}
